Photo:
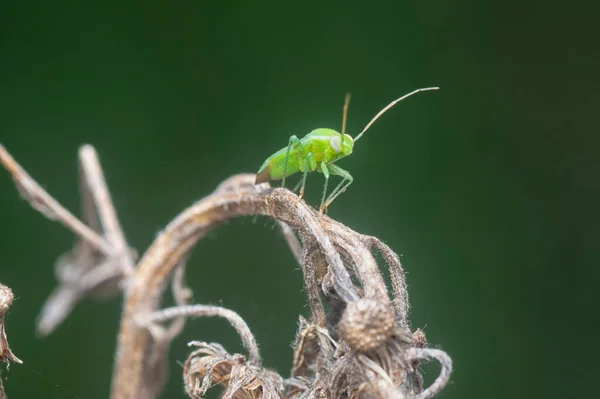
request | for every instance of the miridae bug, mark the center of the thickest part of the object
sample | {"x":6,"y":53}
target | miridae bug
{"x":318,"y":151}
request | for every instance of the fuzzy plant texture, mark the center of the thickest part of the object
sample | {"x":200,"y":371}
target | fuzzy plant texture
{"x":357,"y":342}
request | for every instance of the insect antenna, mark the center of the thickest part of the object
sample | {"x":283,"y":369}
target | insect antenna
{"x":345,"y":116}
{"x":390,"y":105}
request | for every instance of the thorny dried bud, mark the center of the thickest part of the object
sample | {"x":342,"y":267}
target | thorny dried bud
{"x":419,"y":339}
{"x":212,"y":365}
{"x":6,"y":299}
{"x":367,"y":324}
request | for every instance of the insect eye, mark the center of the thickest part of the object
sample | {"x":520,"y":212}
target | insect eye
{"x":336,"y":143}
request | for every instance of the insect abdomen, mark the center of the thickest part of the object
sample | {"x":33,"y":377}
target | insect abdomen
{"x":273,"y":167}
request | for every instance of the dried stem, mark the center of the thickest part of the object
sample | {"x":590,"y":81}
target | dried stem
{"x":366,"y":268}
{"x":182,"y":295}
{"x":94,"y":178}
{"x":157,"y":372}
{"x":417,"y":354}
{"x":292,"y":240}
{"x":314,"y":268}
{"x":97,"y":263}
{"x":398,"y":278}
{"x":206,"y":310}
{"x":44,"y":203}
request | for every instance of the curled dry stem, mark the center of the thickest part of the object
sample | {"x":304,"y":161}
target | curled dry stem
{"x":419,"y":354}
{"x":207,"y":310}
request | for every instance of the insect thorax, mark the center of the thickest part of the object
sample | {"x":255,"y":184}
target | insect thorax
{"x":329,"y":143}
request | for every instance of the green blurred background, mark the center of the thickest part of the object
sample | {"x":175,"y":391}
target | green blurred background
{"x":489,"y":187}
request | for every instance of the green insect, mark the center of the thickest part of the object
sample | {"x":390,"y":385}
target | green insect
{"x":318,"y":151}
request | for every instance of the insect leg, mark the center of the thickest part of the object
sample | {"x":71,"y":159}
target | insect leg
{"x":309,"y":158}
{"x":325,"y":171}
{"x":347,"y":180}
{"x":294,"y":142}
{"x":297,"y":186}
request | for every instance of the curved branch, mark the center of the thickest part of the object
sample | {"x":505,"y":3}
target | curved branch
{"x":237,"y":196}
{"x":44,"y":203}
{"x":442,"y":380}
{"x":207,"y":310}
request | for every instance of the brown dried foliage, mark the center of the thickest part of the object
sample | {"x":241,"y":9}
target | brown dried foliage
{"x":361,"y":347}
{"x":6,"y":354}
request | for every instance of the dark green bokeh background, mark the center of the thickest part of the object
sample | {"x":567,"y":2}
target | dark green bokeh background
{"x":489,"y":187}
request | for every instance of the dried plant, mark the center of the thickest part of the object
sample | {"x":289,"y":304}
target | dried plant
{"x":362,"y":346}
{"x":6,"y":355}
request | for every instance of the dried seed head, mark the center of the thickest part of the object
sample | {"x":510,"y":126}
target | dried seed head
{"x":6,"y":299}
{"x":419,"y":339}
{"x":367,"y":324}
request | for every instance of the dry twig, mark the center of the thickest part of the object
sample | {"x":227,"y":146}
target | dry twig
{"x":97,"y":263}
